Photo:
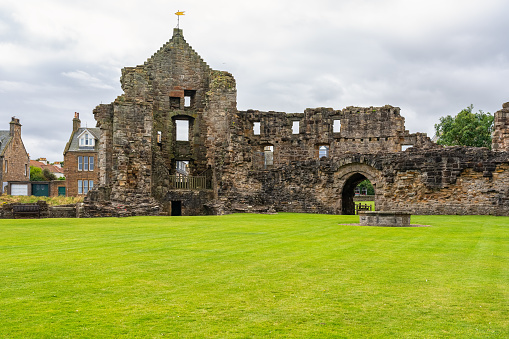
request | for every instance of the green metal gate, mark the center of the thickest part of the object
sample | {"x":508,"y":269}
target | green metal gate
{"x":40,"y":190}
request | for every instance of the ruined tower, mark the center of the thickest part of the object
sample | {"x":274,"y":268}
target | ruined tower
{"x":163,"y":132}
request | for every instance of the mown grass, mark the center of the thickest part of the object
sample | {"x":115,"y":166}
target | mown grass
{"x":52,"y":201}
{"x":262,"y":276}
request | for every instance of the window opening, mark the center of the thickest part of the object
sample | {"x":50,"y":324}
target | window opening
{"x":268,"y":152}
{"x":256,"y":128}
{"x":182,"y":167}
{"x":159,"y":137}
{"x":189,"y":98}
{"x":337,"y":126}
{"x":80,"y":186}
{"x":85,"y":163}
{"x":405,"y":147}
{"x":174,"y":102}
{"x":323,"y":151}
{"x":182,"y":132}
{"x":6,"y":166}
{"x":295,"y":127}
{"x":91,"y":164}
{"x":80,"y":163}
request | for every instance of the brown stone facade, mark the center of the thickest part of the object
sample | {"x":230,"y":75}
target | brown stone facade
{"x":73,"y":174}
{"x":81,"y":160}
{"x":14,"y":159}
{"x":175,"y":143}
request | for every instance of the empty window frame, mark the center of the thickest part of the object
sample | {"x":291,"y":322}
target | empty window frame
{"x":182,"y":130}
{"x":268,"y":152}
{"x":323,"y":151}
{"x":174,"y":102}
{"x":159,"y":137}
{"x":189,"y":96}
{"x":405,"y":147}
{"x":256,"y":128}
{"x":182,"y":167}
{"x":336,"y":127}
{"x":295,"y":127}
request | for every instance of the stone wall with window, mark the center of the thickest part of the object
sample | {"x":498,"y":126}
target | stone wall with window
{"x":14,"y":159}
{"x":77,"y":170}
{"x":175,"y":143}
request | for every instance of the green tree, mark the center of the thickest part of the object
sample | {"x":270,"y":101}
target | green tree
{"x":36,"y":174}
{"x":369,"y":187}
{"x":48,"y":175}
{"x":465,"y":129}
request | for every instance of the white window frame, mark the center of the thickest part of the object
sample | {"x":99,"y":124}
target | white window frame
{"x":86,"y":139}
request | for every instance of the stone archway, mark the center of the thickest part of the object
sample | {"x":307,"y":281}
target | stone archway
{"x":349,"y":176}
{"x":348,"y":192}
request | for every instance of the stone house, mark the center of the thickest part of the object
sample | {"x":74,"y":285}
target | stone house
{"x":80,"y":159}
{"x":175,"y":143}
{"x":14,"y":159}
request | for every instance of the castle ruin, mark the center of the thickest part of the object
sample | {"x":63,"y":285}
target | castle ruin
{"x":174,"y":143}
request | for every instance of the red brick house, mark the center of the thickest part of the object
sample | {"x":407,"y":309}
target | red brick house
{"x":14,"y":159}
{"x":80,"y":159}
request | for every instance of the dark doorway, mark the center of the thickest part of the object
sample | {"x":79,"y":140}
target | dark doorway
{"x":348,"y":204}
{"x":176,"y":208}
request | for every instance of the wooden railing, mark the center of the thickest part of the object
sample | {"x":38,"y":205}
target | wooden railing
{"x":188,"y":182}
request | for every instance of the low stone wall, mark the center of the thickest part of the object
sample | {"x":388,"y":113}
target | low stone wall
{"x":364,"y":198}
{"x":384,"y":218}
{"x":63,"y":211}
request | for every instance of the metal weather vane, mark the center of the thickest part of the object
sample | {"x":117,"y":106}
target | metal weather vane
{"x":178,"y":14}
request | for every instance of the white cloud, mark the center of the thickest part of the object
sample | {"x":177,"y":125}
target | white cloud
{"x":430,"y":58}
{"x":86,"y":79}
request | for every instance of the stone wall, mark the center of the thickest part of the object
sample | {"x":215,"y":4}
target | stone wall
{"x":272,"y":161}
{"x":500,"y":136}
{"x":15,"y":156}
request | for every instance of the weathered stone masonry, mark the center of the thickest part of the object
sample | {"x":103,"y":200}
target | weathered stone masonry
{"x":175,"y":143}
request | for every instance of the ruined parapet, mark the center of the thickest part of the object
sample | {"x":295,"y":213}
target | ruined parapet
{"x":500,"y":135}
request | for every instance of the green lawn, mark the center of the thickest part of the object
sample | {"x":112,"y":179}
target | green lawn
{"x":261,"y":276}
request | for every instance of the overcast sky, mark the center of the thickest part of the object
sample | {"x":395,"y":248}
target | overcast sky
{"x":430,"y":58}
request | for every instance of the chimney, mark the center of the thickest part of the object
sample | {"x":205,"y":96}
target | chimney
{"x":15,"y":127}
{"x":76,"y":122}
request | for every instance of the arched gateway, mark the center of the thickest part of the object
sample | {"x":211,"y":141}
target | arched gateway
{"x":349,"y":177}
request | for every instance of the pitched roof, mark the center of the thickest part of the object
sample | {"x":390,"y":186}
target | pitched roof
{"x":4,"y":138}
{"x":74,"y":142}
{"x":51,"y":168}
